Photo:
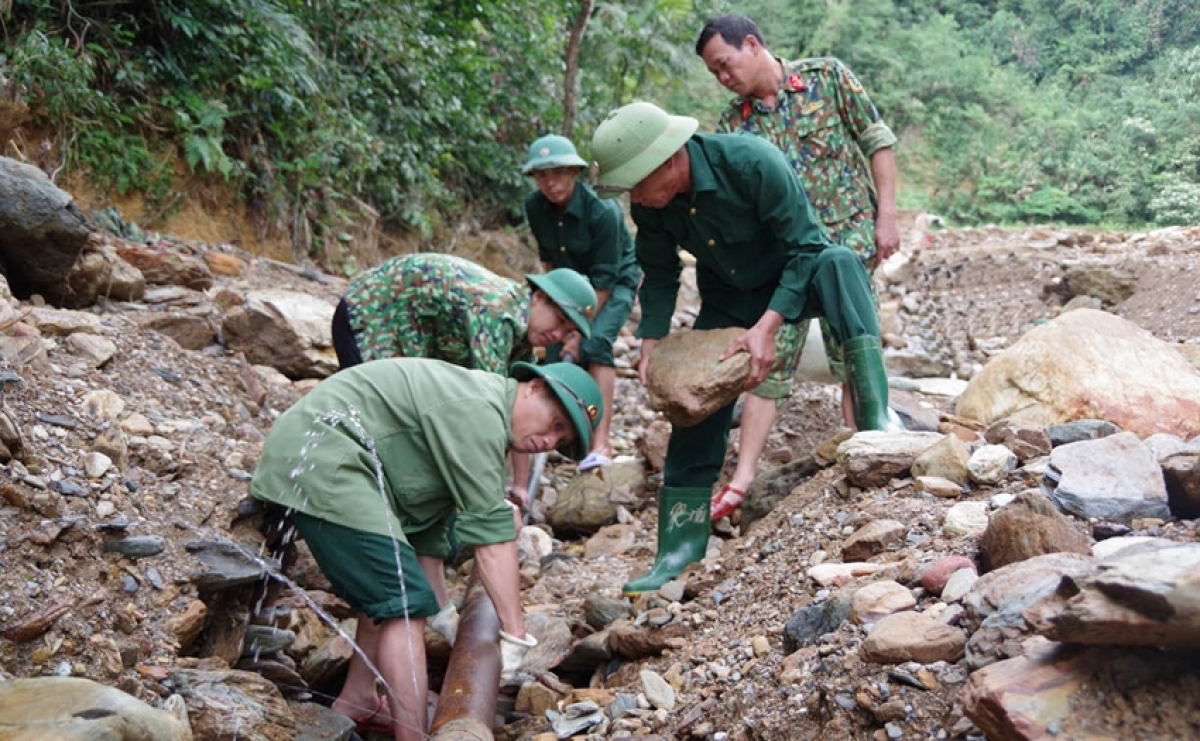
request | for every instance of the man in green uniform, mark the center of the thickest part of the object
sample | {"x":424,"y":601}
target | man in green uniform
{"x":762,"y":261}
{"x":818,"y":114}
{"x":372,"y":464}
{"x":576,"y":229}
{"x":430,"y":305}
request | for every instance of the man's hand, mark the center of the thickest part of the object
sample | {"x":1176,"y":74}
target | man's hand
{"x":887,"y":237}
{"x":570,"y":346}
{"x":644,"y":361}
{"x":759,"y":341}
{"x":512,"y":655}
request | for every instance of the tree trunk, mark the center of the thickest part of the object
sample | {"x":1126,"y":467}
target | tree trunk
{"x":573,"y":44}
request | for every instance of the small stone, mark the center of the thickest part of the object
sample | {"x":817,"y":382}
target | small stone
{"x":760,"y":645}
{"x":140,"y":546}
{"x":104,"y":508}
{"x":96,"y":464}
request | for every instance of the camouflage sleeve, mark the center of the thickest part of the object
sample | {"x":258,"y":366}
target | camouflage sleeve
{"x":492,"y":342}
{"x":859,"y":114}
{"x":728,"y":121}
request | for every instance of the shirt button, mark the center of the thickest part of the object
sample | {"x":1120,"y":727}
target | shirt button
{"x":711,"y":242}
{"x":732,"y":271}
{"x":693,"y":212}
{"x":562,"y":249}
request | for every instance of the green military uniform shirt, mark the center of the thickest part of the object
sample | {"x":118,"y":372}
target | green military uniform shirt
{"x":440,"y":306}
{"x":748,"y":224}
{"x":590,"y":237}
{"x":439,"y":434}
{"x":827,"y":127}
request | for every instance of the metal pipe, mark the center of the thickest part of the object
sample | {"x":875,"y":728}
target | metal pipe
{"x":467,"y":704}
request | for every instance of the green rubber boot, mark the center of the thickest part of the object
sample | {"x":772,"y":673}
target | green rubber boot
{"x":868,"y":384}
{"x":683,"y":526}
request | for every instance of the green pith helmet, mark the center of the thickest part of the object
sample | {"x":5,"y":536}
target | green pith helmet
{"x":549,"y":152}
{"x":573,"y":294}
{"x":633,"y":141}
{"x":579,"y":394}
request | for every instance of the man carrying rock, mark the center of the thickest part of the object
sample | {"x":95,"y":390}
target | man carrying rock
{"x":762,"y":260}
{"x":371,"y":466}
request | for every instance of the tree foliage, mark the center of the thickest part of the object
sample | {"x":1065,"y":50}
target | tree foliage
{"x":420,"y":110}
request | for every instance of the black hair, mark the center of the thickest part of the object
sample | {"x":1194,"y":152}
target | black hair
{"x":733,"y":28}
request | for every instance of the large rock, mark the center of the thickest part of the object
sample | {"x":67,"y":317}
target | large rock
{"x":1136,"y":598}
{"x":165,"y":266}
{"x":100,"y":272}
{"x":1088,"y":364}
{"x":591,"y":500}
{"x":225,"y":703}
{"x":41,"y":231}
{"x":1041,"y":695}
{"x":873,"y":458}
{"x":286,"y":330}
{"x":1029,"y":527}
{"x":687,"y":381}
{"x":1181,"y":473}
{"x":1115,"y":478}
{"x":76,"y":709}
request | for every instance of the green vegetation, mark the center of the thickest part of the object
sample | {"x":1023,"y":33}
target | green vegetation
{"x":1081,"y":111}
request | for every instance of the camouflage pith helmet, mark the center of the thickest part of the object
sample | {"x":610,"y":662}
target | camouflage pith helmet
{"x":580,"y":397}
{"x":633,"y":141}
{"x":571,"y":292}
{"x":549,"y":152}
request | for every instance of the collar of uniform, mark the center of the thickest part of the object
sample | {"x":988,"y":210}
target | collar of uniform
{"x":574,"y":206}
{"x":790,"y":82}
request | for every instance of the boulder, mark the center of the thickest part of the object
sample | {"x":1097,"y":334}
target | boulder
{"x":687,"y":381}
{"x":1029,"y":527}
{"x":1088,"y":364}
{"x":286,"y":330}
{"x":77,"y":709}
{"x":42,"y":232}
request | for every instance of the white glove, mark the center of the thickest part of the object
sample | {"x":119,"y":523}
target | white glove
{"x":512,"y":654}
{"x":445,"y":622}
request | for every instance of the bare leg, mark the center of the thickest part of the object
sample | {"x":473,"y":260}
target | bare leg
{"x":758,"y":415}
{"x":435,"y":574}
{"x":358,"y":698}
{"x":847,"y":407}
{"x":606,"y":379}
{"x":402,"y":664}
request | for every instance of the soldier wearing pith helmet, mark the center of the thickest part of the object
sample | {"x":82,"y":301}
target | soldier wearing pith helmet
{"x":762,"y":261}
{"x":575,"y":229}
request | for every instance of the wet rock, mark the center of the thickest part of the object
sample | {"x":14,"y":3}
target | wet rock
{"x":76,"y":709}
{"x":225,"y":565}
{"x":220,"y":700}
{"x":263,"y":639}
{"x":575,"y":718}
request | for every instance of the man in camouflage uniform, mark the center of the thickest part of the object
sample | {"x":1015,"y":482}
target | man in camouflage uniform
{"x":818,"y":114}
{"x":430,"y":305}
